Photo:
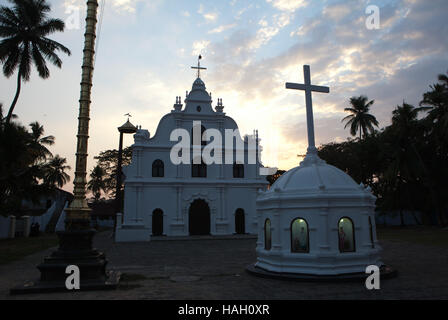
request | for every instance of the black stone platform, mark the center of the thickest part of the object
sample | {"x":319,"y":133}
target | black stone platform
{"x":75,"y":248}
{"x":386,"y":272}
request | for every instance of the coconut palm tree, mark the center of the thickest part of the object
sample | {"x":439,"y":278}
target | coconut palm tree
{"x":360,"y":118}
{"x":24,"y":29}
{"x":54,"y":174}
{"x":19,"y":172}
{"x":97,"y":182}
{"x":406,"y":167}
{"x":435,"y":102}
{"x":2,"y":117}
{"x":38,"y":144}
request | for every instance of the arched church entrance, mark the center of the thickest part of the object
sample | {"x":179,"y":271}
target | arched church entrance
{"x":157,"y":222}
{"x":199,"y":218}
{"x":240,"y":223}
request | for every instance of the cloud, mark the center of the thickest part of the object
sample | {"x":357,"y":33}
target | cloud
{"x":124,"y":6}
{"x":222,"y":28}
{"x":288,"y":5}
{"x":200,"y":47}
{"x":209,"y":16}
{"x":337,"y":11}
{"x":267,"y":32}
{"x":397,"y":62}
{"x":250,"y":63}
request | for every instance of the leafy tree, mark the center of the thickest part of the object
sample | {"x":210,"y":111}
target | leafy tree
{"x":54,"y":174}
{"x":435,"y":104}
{"x":274,"y":177}
{"x":97,"y":183}
{"x":108,"y":161}
{"x":38,"y":144}
{"x":406,"y":169}
{"x":26,"y":173}
{"x":405,"y":163}
{"x":360,"y":118}
{"x":24,"y":28}
{"x":436,"y":101}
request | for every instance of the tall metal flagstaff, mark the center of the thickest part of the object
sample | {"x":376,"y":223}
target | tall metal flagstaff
{"x":78,"y":214}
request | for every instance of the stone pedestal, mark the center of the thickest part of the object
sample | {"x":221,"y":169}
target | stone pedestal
{"x":75,"y":248}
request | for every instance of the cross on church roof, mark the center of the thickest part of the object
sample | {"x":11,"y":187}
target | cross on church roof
{"x":309,"y":88}
{"x":199,"y":68}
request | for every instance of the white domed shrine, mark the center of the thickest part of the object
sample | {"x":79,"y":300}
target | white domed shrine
{"x":316,"y":222}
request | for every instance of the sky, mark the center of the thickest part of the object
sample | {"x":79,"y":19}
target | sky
{"x":250,"y":48}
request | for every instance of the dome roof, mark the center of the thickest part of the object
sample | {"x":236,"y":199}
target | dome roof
{"x":313,"y":176}
{"x":199,"y":92}
{"x":198,"y":84}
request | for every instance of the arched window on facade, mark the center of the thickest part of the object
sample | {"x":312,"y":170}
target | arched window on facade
{"x":299,"y":236}
{"x":158,"y":169}
{"x":372,"y":241}
{"x":267,"y":235}
{"x":238,"y":170}
{"x":346,"y":232}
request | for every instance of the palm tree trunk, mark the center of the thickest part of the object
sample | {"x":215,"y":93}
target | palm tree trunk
{"x":14,"y":102}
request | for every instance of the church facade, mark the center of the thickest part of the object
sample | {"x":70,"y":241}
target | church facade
{"x":195,"y":197}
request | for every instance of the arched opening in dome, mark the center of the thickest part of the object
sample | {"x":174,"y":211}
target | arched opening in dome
{"x":157,"y":222}
{"x":158,"y":169}
{"x":346,"y":233}
{"x":267,"y":235}
{"x":240,"y":225}
{"x":372,"y":241}
{"x":299,"y":236}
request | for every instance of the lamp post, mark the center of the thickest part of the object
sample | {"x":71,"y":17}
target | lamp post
{"x":75,"y":243}
{"x":127,"y":128}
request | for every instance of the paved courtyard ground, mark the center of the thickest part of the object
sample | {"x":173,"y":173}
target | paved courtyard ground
{"x":215,"y":269}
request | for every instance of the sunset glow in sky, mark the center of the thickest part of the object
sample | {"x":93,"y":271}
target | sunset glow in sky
{"x":251,"y":48}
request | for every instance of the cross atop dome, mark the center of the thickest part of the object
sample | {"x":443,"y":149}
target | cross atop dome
{"x":309,"y":88}
{"x":199,"y":68}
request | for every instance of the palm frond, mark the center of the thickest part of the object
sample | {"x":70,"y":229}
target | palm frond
{"x":11,"y":63}
{"x":39,"y":62}
{"x":50,"y":26}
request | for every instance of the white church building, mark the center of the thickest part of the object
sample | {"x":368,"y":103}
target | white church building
{"x":163,"y":198}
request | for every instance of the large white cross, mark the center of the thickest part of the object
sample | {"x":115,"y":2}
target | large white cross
{"x":308,"y":88}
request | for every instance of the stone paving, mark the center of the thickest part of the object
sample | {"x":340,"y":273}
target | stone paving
{"x":215,"y":269}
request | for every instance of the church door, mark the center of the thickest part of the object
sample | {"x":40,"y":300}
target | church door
{"x":157,"y":222}
{"x":199,"y":218}
{"x":240,"y":227}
